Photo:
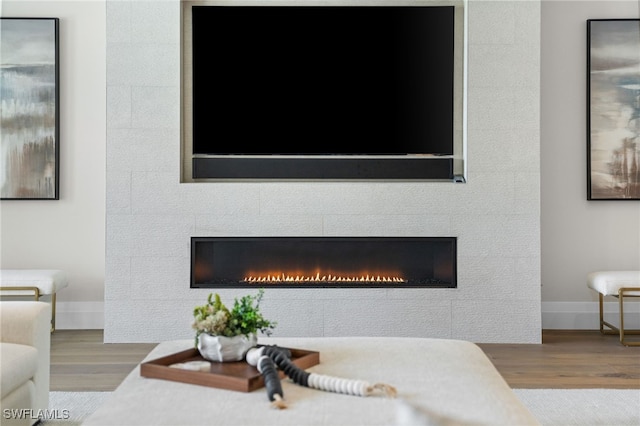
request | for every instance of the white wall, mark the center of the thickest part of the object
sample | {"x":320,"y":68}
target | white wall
{"x":578,"y":236}
{"x":69,"y":233}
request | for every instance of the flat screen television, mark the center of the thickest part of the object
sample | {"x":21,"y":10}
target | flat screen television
{"x":323,"y":80}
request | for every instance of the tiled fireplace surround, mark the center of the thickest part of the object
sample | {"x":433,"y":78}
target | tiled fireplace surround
{"x":495,"y":216}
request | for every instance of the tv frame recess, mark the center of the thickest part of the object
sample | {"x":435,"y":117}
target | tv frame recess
{"x":203,"y":168}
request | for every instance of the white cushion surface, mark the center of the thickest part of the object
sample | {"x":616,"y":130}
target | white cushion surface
{"x":609,"y":282}
{"x":20,"y":399}
{"x":19,"y":364}
{"x":25,"y":354}
{"x":48,"y":281}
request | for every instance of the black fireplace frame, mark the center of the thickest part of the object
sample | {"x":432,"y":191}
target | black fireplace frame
{"x":449,"y":257}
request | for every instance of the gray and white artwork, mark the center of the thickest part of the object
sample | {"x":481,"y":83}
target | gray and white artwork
{"x":614,"y":109}
{"x":28,"y":108}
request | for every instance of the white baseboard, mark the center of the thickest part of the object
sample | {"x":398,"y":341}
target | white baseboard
{"x":586,"y":316}
{"x":79,"y":315}
{"x":555,"y":315}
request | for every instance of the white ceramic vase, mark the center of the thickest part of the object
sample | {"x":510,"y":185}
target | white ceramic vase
{"x":224,"y":349}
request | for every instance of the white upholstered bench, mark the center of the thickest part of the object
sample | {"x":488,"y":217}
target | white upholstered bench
{"x":618,"y":284}
{"x":33,"y":282}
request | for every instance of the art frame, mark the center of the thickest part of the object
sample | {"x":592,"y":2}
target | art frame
{"x":30,"y":113}
{"x":613,"y":109}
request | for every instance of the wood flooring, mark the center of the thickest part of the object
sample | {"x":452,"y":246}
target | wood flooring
{"x":80,"y":361}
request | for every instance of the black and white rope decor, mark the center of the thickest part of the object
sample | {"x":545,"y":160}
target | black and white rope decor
{"x":269,"y":372}
{"x":313,"y":380}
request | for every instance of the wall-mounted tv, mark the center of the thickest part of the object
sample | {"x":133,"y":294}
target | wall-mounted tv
{"x":323,"y":80}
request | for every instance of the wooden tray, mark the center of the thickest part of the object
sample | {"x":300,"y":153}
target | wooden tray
{"x":236,"y":376}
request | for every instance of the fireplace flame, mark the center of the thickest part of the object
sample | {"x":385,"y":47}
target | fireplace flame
{"x":286,"y":278}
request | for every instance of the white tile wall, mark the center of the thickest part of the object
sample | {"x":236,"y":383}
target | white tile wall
{"x":496,"y":215}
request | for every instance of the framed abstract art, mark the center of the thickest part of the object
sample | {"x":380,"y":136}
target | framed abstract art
{"x":29,"y":113}
{"x":613,"y":109}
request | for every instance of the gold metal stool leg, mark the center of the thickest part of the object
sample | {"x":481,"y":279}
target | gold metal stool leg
{"x":621,"y":296}
{"x":612,"y":329}
{"x":600,"y":299}
{"x":53,"y":312}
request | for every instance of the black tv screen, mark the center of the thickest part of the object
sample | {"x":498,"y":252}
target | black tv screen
{"x":323,"y":80}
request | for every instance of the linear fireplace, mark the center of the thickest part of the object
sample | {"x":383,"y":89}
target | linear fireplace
{"x":317,"y":262}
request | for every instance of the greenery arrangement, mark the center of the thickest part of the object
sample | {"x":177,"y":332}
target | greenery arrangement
{"x":216,"y":319}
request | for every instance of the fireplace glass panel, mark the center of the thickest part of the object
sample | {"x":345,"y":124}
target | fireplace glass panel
{"x":233,"y":262}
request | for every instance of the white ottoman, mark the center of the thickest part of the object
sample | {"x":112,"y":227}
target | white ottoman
{"x":33,"y":282}
{"x":439,"y":382}
{"x":618,"y":284}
